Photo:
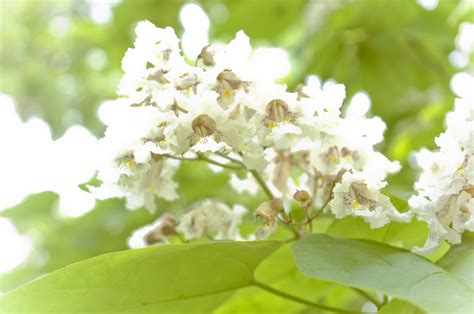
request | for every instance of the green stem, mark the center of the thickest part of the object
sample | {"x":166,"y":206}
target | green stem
{"x":177,"y":157}
{"x":297,"y":299}
{"x":368,"y":297}
{"x":324,"y":205}
{"x":211,"y":161}
{"x":206,"y":159}
{"x":231,"y":159}
{"x":262,"y":183}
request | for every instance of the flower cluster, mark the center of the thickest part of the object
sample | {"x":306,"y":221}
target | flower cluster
{"x":224,"y":111}
{"x":445,"y":188}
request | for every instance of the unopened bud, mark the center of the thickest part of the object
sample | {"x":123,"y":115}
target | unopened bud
{"x":277,"y":205}
{"x":303,"y":198}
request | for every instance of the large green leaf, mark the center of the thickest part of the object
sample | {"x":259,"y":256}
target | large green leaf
{"x":459,"y":261}
{"x":178,"y":278}
{"x":404,"y":235}
{"x":378,"y":267}
{"x":398,"y":306}
{"x":280,"y":272}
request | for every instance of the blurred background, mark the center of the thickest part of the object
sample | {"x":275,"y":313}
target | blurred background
{"x":61,"y":60}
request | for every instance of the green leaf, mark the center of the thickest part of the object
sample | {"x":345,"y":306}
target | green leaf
{"x":404,"y":235}
{"x":459,"y":261}
{"x":179,"y":278}
{"x":399,"y":306}
{"x":378,"y":267}
{"x":280,"y":272}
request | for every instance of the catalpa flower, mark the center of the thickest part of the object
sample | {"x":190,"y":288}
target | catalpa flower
{"x":222,"y":110}
{"x":445,"y":188}
{"x":211,"y":218}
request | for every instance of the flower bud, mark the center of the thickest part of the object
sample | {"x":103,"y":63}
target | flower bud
{"x":277,"y":205}
{"x":303,"y":198}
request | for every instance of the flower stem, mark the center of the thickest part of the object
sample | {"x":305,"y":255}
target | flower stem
{"x":211,"y":161}
{"x":231,"y":159}
{"x":297,"y":299}
{"x":206,"y":159}
{"x":262,"y":183}
{"x":324,"y":205}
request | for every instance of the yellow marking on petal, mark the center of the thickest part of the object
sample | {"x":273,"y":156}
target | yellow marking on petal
{"x":227,"y":93}
{"x":272,"y":125}
{"x":333,"y":159}
{"x":188,"y":91}
{"x":130,"y":163}
{"x":355,"y":204}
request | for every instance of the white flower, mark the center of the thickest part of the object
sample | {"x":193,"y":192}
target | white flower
{"x":212,"y":218}
{"x":157,"y":232}
{"x":60,"y":165}
{"x":268,"y":212}
{"x":353,"y":196}
{"x":247,"y":184}
{"x":139,"y":183}
{"x":222,"y":107}
{"x":445,"y":187}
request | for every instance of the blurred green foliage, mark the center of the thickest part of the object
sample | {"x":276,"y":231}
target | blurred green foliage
{"x":57,"y":63}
